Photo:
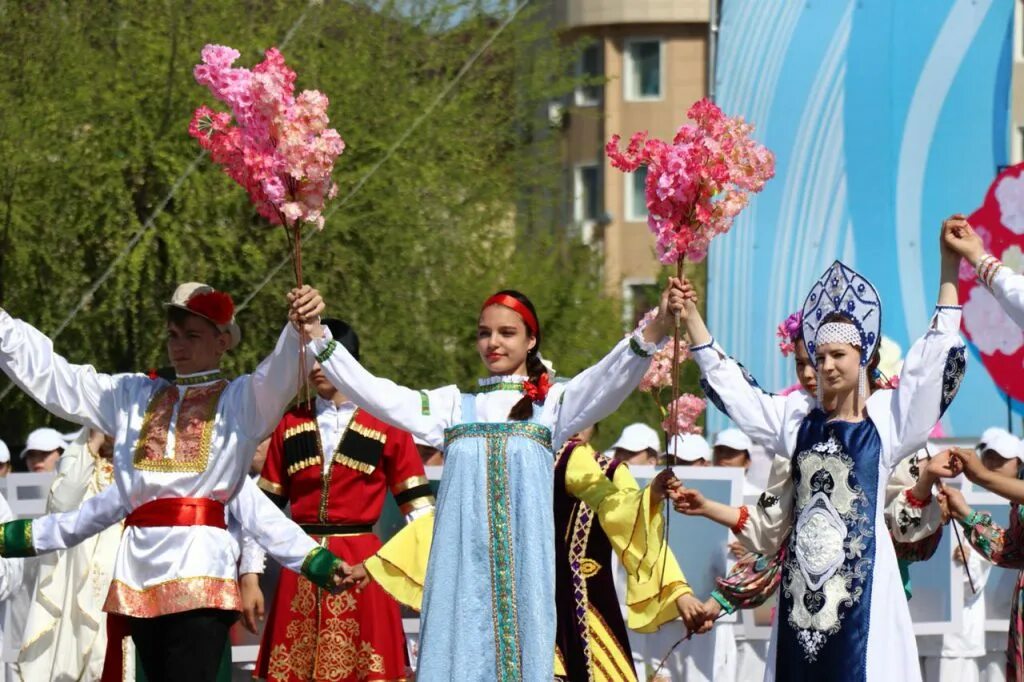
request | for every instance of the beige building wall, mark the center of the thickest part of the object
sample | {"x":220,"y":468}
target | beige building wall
{"x":682,"y":28}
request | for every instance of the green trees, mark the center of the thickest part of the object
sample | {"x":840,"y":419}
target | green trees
{"x":93,"y":142}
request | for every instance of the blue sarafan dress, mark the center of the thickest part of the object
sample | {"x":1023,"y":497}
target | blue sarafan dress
{"x":489,"y":597}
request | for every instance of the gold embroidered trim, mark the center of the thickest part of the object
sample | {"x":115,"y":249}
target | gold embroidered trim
{"x":303,"y":463}
{"x":418,"y":503}
{"x":410,"y":482}
{"x":173,"y":596}
{"x":180,"y":463}
{"x":300,"y":428}
{"x":351,"y":463}
{"x":367,"y":431}
{"x":270,"y":486}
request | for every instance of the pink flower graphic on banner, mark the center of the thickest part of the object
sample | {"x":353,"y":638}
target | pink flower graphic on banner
{"x":1010,"y":195}
{"x":991,"y":329}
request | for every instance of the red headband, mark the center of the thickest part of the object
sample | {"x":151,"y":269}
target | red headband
{"x":516,"y":305}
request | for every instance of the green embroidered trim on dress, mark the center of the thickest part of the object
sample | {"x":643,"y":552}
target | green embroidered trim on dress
{"x":201,"y":379}
{"x":327,"y":352}
{"x":425,"y":403}
{"x":531,"y":430}
{"x":502,"y":386}
{"x":503,"y":570}
{"x":637,"y":349}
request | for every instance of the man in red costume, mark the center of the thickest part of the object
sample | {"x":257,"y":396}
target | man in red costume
{"x":335,"y":464}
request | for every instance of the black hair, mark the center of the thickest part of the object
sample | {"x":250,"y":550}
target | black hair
{"x":177,"y":317}
{"x":523,"y":409}
{"x":344,"y":334}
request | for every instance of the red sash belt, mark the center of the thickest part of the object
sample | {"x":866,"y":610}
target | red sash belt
{"x":179,"y":511}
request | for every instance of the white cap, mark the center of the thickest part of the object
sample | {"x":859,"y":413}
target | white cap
{"x":689,"y":447}
{"x":71,"y":436}
{"x":44,"y":440}
{"x":637,"y":438}
{"x":1005,"y":444}
{"x":735,"y":439}
{"x":988,"y":434}
{"x":5,"y":454}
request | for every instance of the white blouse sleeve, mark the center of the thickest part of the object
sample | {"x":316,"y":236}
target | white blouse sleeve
{"x":424,"y":414}
{"x":599,"y":390}
{"x":929,"y":380}
{"x":67,"y":529}
{"x":771,"y":519}
{"x":277,"y":534}
{"x":77,"y":393}
{"x":760,"y":415}
{"x":272,"y":385}
{"x":1008,"y":288}
{"x":73,"y":473}
{"x":909,"y":520}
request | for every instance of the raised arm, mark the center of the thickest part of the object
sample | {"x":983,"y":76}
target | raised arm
{"x":425,"y":414}
{"x":912,"y":512}
{"x":74,"y":392}
{"x":1006,"y":285}
{"x":596,"y":392}
{"x":1003,"y":547}
{"x":757,"y":413}
{"x":771,"y":519}
{"x":931,"y":373}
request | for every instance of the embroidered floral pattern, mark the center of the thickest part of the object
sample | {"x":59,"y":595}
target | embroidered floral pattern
{"x":826,"y":567}
{"x":173,"y":596}
{"x":192,"y":433}
{"x":503,"y":571}
{"x":952,"y":375}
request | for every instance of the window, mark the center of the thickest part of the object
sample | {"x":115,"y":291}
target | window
{"x":586,"y":193}
{"x":589,"y":66}
{"x":643,"y":69}
{"x":639,"y":296}
{"x":636,"y":195}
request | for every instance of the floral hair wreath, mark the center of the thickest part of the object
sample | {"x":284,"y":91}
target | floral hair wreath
{"x":789,"y":331}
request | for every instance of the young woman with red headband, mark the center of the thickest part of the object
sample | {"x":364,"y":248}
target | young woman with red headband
{"x":488,"y":608}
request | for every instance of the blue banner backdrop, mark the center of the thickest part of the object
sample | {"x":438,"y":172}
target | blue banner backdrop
{"x":885,"y":117}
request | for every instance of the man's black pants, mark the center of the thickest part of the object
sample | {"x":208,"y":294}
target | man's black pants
{"x":183,"y":646}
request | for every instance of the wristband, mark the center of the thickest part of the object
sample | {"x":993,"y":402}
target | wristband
{"x":741,"y":524}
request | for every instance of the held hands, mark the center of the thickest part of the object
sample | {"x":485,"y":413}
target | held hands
{"x":663,"y":485}
{"x":694,"y":614}
{"x":357,"y":577}
{"x":960,"y":239}
{"x":953,"y":504}
{"x":688,"y":501}
{"x":304,"y":307}
{"x":342,"y":577}
{"x":675,"y":304}
{"x":956,"y":461}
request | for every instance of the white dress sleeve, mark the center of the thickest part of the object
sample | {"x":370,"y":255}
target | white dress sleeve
{"x":599,"y":390}
{"x":77,"y":393}
{"x":424,"y":414}
{"x":261,"y":520}
{"x":760,"y":415}
{"x":67,"y":529}
{"x":272,"y":386}
{"x":73,"y":473}
{"x":254,"y":559}
{"x":771,"y":519}
{"x":909,"y":520}
{"x":929,"y":380}
{"x":1008,"y":288}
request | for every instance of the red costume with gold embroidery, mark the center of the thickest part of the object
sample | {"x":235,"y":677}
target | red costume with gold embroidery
{"x":355,"y":635}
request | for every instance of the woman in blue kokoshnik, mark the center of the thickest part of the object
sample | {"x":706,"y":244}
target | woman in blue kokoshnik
{"x":489,"y":596}
{"x":842,"y":614}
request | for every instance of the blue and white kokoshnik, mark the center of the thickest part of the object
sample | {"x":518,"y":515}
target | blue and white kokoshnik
{"x":843,"y":290}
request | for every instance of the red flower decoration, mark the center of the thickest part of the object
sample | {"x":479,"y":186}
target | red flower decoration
{"x":537,"y":391}
{"x":215,"y":306}
{"x":151,"y":373}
